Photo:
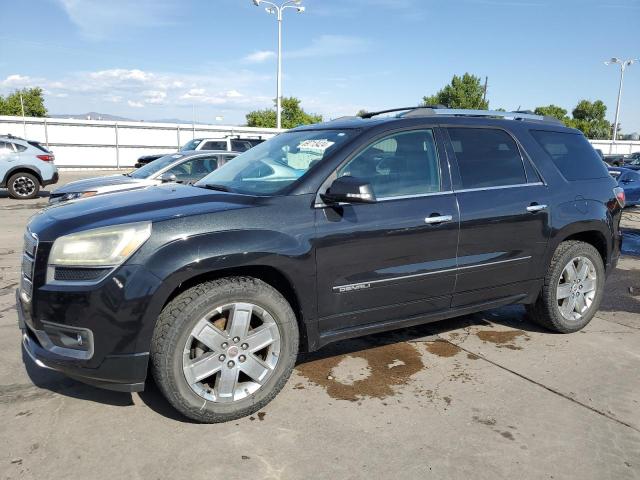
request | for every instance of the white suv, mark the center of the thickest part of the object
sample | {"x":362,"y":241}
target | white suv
{"x":25,"y":167}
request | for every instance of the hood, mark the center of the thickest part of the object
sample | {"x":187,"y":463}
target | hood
{"x":153,"y":204}
{"x":90,"y":184}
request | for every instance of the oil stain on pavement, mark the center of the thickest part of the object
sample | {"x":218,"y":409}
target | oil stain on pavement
{"x":369,"y":373}
{"x":504,"y":339}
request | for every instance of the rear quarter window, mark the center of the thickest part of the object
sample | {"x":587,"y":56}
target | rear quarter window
{"x":572,"y":154}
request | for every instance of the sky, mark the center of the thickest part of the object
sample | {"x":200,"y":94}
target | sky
{"x":159,"y":59}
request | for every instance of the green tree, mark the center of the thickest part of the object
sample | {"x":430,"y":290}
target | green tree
{"x":552,"y":111}
{"x":466,"y":91}
{"x":590,"y":118}
{"x":361,"y":112}
{"x":292,"y":115}
{"x":32,"y":99}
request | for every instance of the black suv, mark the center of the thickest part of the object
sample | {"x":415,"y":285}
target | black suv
{"x":323,"y":233}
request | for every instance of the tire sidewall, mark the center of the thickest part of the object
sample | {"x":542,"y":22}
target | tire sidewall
{"x":579,"y":250}
{"x":275,"y":305}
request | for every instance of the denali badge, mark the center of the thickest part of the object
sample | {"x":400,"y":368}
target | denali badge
{"x":351,"y":288}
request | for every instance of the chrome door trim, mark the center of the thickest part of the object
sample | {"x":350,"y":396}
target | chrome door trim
{"x":364,"y":285}
{"x":536,"y":184}
{"x":388,"y":199}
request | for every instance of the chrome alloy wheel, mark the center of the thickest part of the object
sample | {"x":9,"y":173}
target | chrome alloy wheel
{"x":231,"y":352}
{"x":23,"y":186}
{"x":576,"y":288}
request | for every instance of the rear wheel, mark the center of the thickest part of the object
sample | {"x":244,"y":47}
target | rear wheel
{"x":23,"y":186}
{"x":224,"y":349}
{"x":572,"y":290}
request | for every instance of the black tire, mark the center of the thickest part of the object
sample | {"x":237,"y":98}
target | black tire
{"x":23,"y":186}
{"x":545,"y":311}
{"x":175,"y":324}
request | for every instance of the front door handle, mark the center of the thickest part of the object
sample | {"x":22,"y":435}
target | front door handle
{"x":436,"y":219}
{"x":536,"y":208}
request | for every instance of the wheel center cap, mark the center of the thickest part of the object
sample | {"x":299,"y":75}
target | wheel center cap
{"x":233,"y":351}
{"x":574,"y":288}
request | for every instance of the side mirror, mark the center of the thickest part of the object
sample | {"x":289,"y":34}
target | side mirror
{"x":349,"y":190}
{"x":167,"y":177}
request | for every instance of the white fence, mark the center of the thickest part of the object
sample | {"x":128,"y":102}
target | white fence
{"x":100,"y":144}
{"x":620,"y":147}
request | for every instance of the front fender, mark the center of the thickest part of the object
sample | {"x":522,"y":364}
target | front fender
{"x":184,"y":259}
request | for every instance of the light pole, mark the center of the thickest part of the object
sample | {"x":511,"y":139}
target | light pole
{"x":623,"y":65}
{"x":278,"y":10}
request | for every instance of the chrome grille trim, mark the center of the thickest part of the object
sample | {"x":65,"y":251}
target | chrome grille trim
{"x":28,"y":265}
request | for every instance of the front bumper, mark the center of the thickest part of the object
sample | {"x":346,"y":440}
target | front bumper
{"x":104,"y":362}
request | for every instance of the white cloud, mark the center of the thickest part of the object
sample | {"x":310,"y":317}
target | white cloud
{"x":225,"y":90}
{"x":97,"y":19}
{"x":154,"y":97}
{"x":259,"y":56}
{"x":17,"y":81}
{"x":331,"y":45}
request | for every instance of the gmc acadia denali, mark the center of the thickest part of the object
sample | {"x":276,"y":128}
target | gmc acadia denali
{"x":323,"y":233}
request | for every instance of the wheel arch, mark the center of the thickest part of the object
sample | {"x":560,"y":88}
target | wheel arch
{"x":267,"y":273}
{"x":22,"y":169}
{"x":593,"y":234}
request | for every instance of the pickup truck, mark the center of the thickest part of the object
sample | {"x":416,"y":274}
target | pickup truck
{"x":228,"y":144}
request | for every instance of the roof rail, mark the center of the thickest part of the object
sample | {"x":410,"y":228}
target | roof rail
{"x":380,"y":112}
{"x":518,"y":115}
{"x":430,"y":110}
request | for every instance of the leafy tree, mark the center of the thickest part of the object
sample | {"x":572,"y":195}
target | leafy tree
{"x":463,"y":92}
{"x":32,"y":99}
{"x":361,"y":112}
{"x":590,"y":118}
{"x":292,"y":115}
{"x":552,"y":111}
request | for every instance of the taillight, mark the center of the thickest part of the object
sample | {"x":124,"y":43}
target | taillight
{"x":619,"y":193}
{"x":46,"y":158}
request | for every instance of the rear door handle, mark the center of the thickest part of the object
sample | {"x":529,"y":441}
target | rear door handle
{"x":536,"y":208}
{"x":438,"y":219}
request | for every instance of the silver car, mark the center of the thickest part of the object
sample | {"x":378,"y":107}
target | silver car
{"x":25,"y":167}
{"x":178,"y":167}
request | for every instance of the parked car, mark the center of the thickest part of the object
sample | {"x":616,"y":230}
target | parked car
{"x":372,"y":224}
{"x":629,"y":181}
{"x":615,"y":160}
{"x":25,"y":167}
{"x":188,"y":167}
{"x":600,"y":154}
{"x":228,"y":144}
{"x":632,"y":161}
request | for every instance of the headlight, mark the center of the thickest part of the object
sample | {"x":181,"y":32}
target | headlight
{"x":75,"y":195}
{"x":101,"y":247}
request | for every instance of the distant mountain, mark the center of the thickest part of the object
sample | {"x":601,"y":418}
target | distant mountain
{"x":93,"y":116}
{"x":115,"y":118}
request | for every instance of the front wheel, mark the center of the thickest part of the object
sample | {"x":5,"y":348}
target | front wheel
{"x":224,"y":349}
{"x":572,"y":290}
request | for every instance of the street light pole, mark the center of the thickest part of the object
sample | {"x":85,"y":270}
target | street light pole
{"x":623,"y":66}
{"x":278,"y":10}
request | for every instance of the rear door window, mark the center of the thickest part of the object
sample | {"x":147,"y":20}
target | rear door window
{"x":487,"y":157}
{"x":215,"y":145}
{"x":572,"y":154}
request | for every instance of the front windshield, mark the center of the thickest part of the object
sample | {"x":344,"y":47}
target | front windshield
{"x":155,"y":166}
{"x":192,"y":145}
{"x":275,"y":164}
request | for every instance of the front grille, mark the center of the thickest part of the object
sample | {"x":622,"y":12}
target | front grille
{"x":67,"y":274}
{"x":28,"y":264}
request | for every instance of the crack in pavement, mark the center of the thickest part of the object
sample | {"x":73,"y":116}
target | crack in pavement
{"x":550,"y":389}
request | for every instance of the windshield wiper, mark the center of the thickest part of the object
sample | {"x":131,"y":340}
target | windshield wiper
{"x":213,"y":186}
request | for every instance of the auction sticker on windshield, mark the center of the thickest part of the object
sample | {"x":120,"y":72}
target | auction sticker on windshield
{"x":317,"y":145}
